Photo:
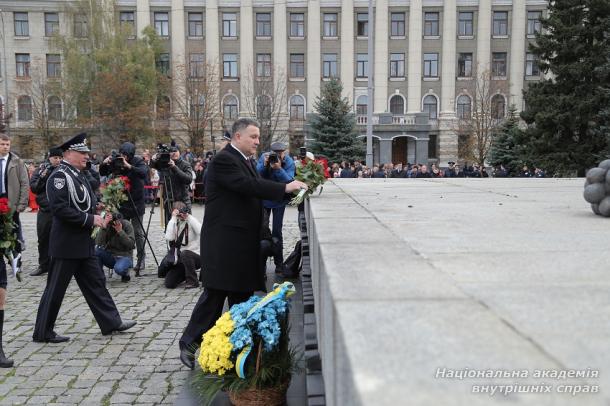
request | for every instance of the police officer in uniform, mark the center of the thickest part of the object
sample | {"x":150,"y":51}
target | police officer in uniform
{"x":73,"y":204}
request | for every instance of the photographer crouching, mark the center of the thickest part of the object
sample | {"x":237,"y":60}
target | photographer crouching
{"x":126,"y":163}
{"x":176,"y":175}
{"x":279,"y":167}
{"x":182,"y":233}
{"x":115,"y":244}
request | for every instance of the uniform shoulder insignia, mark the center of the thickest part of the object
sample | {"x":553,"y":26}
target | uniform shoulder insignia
{"x":59,"y":183}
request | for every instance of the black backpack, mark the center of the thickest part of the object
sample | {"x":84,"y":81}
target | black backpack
{"x":292,"y":264}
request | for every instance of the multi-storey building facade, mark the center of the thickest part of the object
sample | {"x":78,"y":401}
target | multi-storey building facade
{"x":426,"y":51}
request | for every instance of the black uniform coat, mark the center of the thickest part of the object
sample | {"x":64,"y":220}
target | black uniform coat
{"x":71,"y":228}
{"x":231,"y":232}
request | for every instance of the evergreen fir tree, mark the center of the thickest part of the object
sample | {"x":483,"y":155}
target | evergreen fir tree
{"x":565,"y":112}
{"x":505,"y":149}
{"x":333,"y":126}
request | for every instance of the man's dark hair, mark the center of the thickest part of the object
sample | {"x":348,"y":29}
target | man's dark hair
{"x":4,"y":137}
{"x":241,"y":124}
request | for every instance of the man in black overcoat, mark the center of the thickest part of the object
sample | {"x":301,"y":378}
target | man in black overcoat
{"x":231,"y":232}
{"x":73,"y":204}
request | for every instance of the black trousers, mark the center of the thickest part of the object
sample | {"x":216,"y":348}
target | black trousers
{"x":185,"y":270}
{"x":92,"y":283}
{"x":207,"y":310}
{"x":43,"y":230}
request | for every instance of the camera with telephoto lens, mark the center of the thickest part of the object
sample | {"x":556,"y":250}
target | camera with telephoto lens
{"x":117,"y":216}
{"x":117,"y":162}
{"x":183,"y":210}
{"x":163,"y":156}
{"x":273,"y":158}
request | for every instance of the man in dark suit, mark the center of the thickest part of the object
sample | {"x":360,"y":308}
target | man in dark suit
{"x":231,"y":232}
{"x":73,"y":205}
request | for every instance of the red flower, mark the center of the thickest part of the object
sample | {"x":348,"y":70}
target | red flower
{"x":126,"y":182}
{"x":4,"y":209}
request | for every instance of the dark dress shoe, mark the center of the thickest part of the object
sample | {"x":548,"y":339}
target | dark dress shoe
{"x":5,"y":362}
{"x":187,"y":357}
{"x":190,"y":286}
{"x":38,"y":272}
{"x":125,"y":278}
{"x":57,"y":339}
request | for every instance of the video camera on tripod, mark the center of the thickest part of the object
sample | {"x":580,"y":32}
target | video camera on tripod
{"x":117,"y":162}
{"x":163,"y":156}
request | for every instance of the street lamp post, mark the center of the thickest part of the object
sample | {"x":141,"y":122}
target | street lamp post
{"x":6,"y":96}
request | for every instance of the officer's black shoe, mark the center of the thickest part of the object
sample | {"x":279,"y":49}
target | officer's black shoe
{"x":5,"y":362}
{"x":57,"y":339}
{"x":187,"y":356}
{"x":126,"y":325}
{"x":38,"y":272}
{"x":125,"y":278}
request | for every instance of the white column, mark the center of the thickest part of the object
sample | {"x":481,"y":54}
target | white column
{"x":484,"y":37}
{"x":517,"y":54}
{"x":212,"y":34}
{"x":280,"y":62}
{"x":246,"y":56}
{"x":448,"y":58}
{"x":347,"y":48}
{"x":414,"y":57}
{"x":313,"y":55}
{"x":178,"y":49}
{"x":142,"y":16}
{"x":382,"y":56}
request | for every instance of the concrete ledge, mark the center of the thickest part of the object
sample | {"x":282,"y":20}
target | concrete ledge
{"x":414,"y":275}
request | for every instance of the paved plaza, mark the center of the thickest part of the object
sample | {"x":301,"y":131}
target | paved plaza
{"x":140,"y":366}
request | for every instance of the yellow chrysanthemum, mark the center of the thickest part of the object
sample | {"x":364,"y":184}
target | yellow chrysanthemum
{"x":216,"y":347}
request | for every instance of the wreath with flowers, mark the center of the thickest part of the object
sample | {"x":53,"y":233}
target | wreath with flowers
{"x":8,"y":234}
{"x":257,"y":327}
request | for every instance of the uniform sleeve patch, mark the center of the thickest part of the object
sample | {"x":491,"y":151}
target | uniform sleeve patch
{"x":59,"y":183}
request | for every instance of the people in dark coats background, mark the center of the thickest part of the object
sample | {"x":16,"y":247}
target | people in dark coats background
{"x":232,"y":223}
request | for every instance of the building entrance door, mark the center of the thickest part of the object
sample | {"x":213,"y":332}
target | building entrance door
{"x":399,"y":150}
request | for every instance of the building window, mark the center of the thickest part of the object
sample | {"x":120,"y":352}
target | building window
{"x":431,"y":65}
{"x":465,"y":65}
{"x":297,"y":24}
{"x":162,"y":24}
{"x":362,"y":105}
{"x":51,"y":24}
{"x":53,"y":65}
{"x":498,"y":64}
{"x":22,"y":28}
{"x":498,"y":105}
{"x":164,"y":110}
{"x":263,"y":24}
{"x":197,"y":109}
{"x":533,"y":22}
{"x":195,"y":25}
{"x":362,"y":65}
{"x":54,"y":106}
{"x":229,"y":65}
{"x":531,"y":65}
{"x":229,"y":108}
{"x":500,"y":25}
{"x":229,"y":25}
{"x":263,"y":107}
{"x":431,"y":24}
{"x":127,"y":21}
{"x":297,"y":65}
{"x":80,"y":26}
{"x":430,"y":107}
{"x":163,"y":64}
{"x":397,"y":65}
{"x":263,"y":65}
{"x":362,"y":28}
{"x":465,"y":26}
{"x":24,"y":108}
{"x":297,"y":107}
{"x":397,"y":105}
{"x":196,"y":65}
{"x":330,"y":25}
{"x":329,"y":65}
{"x":23,"y":65}
{"x":397,"y":26}
{"x":463,"y":107}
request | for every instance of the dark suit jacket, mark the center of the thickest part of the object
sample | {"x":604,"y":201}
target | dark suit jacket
{"x":231,"y":232}
{"x":72,"y":226}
